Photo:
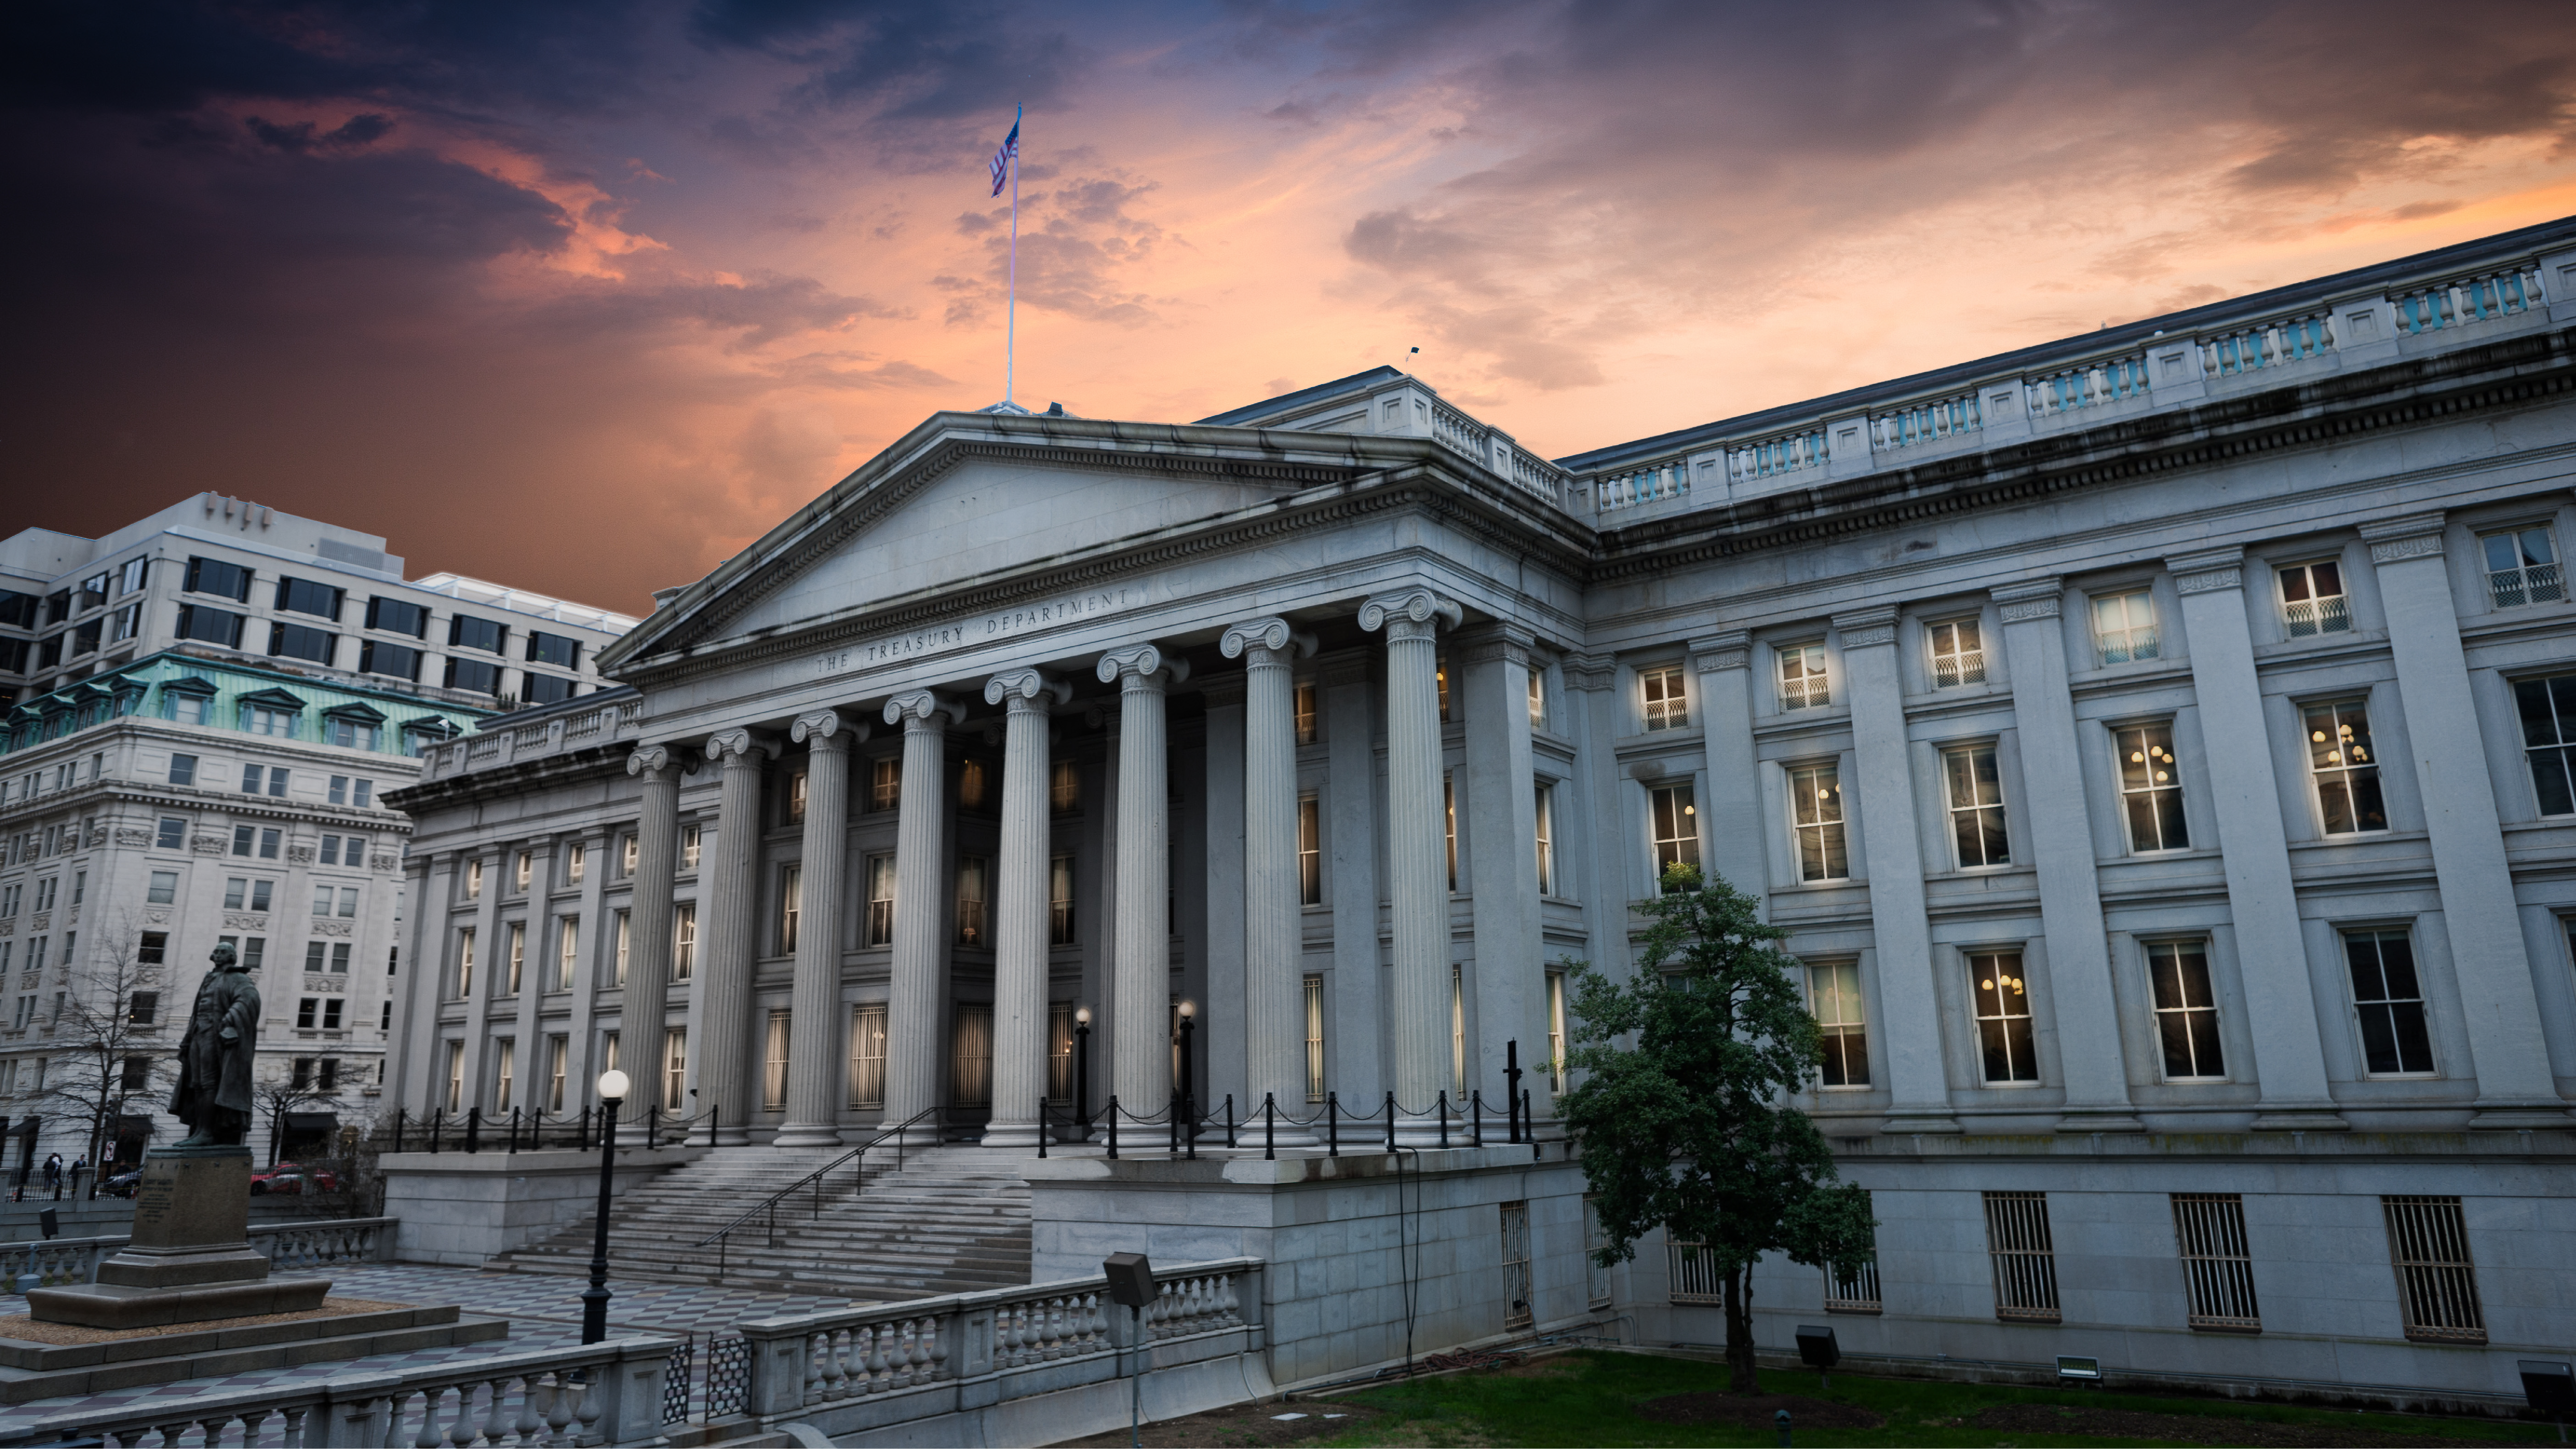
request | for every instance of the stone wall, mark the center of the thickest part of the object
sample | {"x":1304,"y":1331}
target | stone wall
{"x":461,"y":1208}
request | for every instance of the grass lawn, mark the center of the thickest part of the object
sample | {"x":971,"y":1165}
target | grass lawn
{"x":1595,"y":1398}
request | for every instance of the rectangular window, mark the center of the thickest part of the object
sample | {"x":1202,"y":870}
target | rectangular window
{"x":684,"y":941}
{"x":1555,"y":1064}
{"x":465,"y":962}
{"x":970,"y":784}
{"x":796,"y":797}
{"x":473,"y":880}
{"x":567,"y":952}
{"x":338,"y":791}
{"x":476,"y":676}
{"x":1064,"y":787}
{"x":971,"y":1056}
{"x":2548,"y":711}
{"x":546,"y":688}
{"x":303,"y":596}
{"x":626,"y":855}
{"x":1673,"y":815}
{"x":130,"y":574}
{"x":2312,"y":599}
{"x":331,"y":1009}
{"x":1803,"y":682}
{"x":331,"y":851}
{"x":2345,"y":769}
{"x":1304,"y":696}
{"x":152,"y":949}
{"x":1449,"y":823}
{"x":1976,"y":806}
{"x":518,"y":949}
{"x":554,"y":649}
{"x":1667,"y":699}
{"x":1440,"y":685}
{"x":2522,"y":568}
{"x":773,"y":1073}
{"x":322,"y":900}
{"x":2151,"y":788}
{"x":504,"y":1057}
{"x":1544,"y":817}
{"x":1314,"y":1004}
{"x":1816,"y":817}
{"x":1833,"y":993}
{"x":183,"y":769}
{"x":164,"y":889}
{"x":2124,"y":626}
{"x":224,"y":580}
{"x":791,"y":905}
{"x":2390,"y":1003}
{"x":466,"y":632}
{"x":867,"y":1055}
{"x":1958,"y":653}
{"x":395,"y":616}
{"x":455,"y":1076}
{"x":524,"y":871}
{"x":2217,"y":1267}
{"x":972,"y":873}
{"x":576,"y":857}
{"x":125,"y":623}
{"x":1537,"y":698}
{"x":689,"y":848}
{"x":625,"y":923}
{"x":558,"y":1047}
{"x":1516,"y":1265}
{"x":2025,"y":1264}
{"x":880,"y":930}
{"x":675,"y":1068}
{"x":1853,"y":1287}
{"x":300,"y":641}
{"x":1596,"y":1279}
{"x":1310,"y":851}
{"x":143,"y":1008}
{"x":317,"y":956}
{"x":2003,"y":1016}
{"x":304,"y":1014}
{"x":1060,"y":901}
{"x":2437,"y":1282}
{"x":885,"y":783}
{"x":2186,"y":1011}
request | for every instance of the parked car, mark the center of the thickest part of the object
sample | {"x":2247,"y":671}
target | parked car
{"x":288,"y":1178}
{"x":123,"y":1184}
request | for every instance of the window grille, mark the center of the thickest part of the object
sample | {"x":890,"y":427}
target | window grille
{"x":1596,"y":1279}
{"x":1803,"y":684}
{"x":1976,"y":807}
{"x":2025,"y":1263}
{"x":1060,"y":1051}
{"x":773,"y":1076}
{"x":2346,"y":771}
{"x":2124,"y":627}
{"x":2437,"y":1284}
{"x":1833,"y":993}
{"x":1314,"y":1003}
{"x":972,"y":1056}
{"x":1516,"y":1264}
{"x":2151,"y":788}
{"x":2003,"y":1016}
{"x":1667,"y":703}
{"x":1816,"y":814}
{"x":2312,"y":600}
{"x":867,"y":1055}
{"x":2522,"y":568}
{"x":1694,"y":1273}
{"x":1958,"y":654}
{"x":1852,"y":1288}
{"x":2186,"y":1011}
{"x":2217,"y":1269}
{"x":2548,"y":711}
{"x":2389,"y":1001}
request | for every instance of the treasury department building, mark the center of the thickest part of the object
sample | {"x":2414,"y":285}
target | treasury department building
{"x":2159,"y":746}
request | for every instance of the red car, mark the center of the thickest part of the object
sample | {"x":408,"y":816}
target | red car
{"x":287,"y":1178}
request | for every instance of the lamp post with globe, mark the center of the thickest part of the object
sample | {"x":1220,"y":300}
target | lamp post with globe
{"x":613,"y":1087}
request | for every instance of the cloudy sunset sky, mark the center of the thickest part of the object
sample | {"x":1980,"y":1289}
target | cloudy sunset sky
{"x":582,"y":298}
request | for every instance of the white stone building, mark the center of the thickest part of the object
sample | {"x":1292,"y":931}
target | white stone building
{"x":215,"y":703}
{"x":2151,"y":741}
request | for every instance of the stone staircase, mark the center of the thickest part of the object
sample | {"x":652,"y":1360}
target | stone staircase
{"x":952,"y":1220}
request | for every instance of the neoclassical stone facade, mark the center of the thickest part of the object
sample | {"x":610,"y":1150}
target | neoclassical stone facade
{"x":2151,"y":743}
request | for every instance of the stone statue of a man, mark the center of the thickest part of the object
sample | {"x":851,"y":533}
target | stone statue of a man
{"x":213,"y":1096}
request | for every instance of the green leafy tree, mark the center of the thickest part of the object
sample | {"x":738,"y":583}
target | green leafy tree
{"x":1682,"y":1110}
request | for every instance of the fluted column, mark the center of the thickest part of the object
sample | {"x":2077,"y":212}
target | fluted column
{"x":1274,"y":949}
{"x":913,"y":1048}
{"x":1140,"y":984}
{"x":723,"y":1050}
{"x":1020,"y":908}
{"x":1417,"y":848}
{"x":814,"y":1046}
{"x":1499,"y":792}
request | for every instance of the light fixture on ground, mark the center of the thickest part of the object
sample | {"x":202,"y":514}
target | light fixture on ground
{"x":613,"y":1087}
{"x":1082,"y":1071}
{"x":1185,"y":1100}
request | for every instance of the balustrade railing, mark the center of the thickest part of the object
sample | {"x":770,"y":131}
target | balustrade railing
{"x":1772,"y":457}
{"x":2478,"y":297}
{"x":2094,"y":384}
{"x":1926,"y":422}
{"x":1643,"y":485}
{"x":290,"y":1247}
{"x":2259,"y":345}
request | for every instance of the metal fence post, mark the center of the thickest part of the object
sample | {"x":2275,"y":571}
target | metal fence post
{"x":1269,"y":1126}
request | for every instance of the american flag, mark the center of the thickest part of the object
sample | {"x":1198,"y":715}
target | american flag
{"x":1002,"y":158}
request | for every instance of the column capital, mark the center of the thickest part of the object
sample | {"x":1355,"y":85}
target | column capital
{"x":1026,"y":690}
{"x":2418,"y":535}
{"x":919,"y":709}
{"x":1714,"y":652}
{"x":727,"y":747}
{"x":1866,"y":628}
{"x":2035,"y":599}
{"x":1413,"y":613}
{"x":649,"y":760}
{"x":1271,"y":636}
{"x":1142,"y":666}
{"x":1488,"y":642}
{"x":828,"y":729}
{"x":2207,"y":570}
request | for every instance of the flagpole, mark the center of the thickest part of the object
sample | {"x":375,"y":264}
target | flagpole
{"x":1011,"y":327}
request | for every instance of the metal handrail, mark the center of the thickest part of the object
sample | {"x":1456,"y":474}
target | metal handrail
{"x":815,"y":1178}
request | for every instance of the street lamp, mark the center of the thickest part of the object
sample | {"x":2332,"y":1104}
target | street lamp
{"x":1187,"y":1098}
{"x":613,"y":1087}
{"x":1082,"y":1069}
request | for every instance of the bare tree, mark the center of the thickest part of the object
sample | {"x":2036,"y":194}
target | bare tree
{"x":284,"y":1089}
{"x":106,"y":1047}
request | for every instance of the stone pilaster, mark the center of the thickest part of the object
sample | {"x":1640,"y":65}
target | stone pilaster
{"x":1140,"y":984}
{"x":2479,"y":913}
{"x":2262,"y":906}
{"x":722,"y":1050}
{"x":1732,"y":830}
{"x":1892,"y":843}
{"x":814,"y":1044}
{"x":913,"y":1048}
{"x":1417,"y":848}
{"x":1354,"y":1067}
{"x":1273,"y":937}
{"x":1020,"y":908}
{"x":644,"y":1005}
{"x":2061,"y":848}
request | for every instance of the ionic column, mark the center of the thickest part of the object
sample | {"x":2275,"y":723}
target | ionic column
{"x":2061,"y":849}
{"x":1417,"y":848}
{"x":1499,"y":789}
{"x":645,"y":1002}
{"x":1918,"y":1085}
{"x":913,"y":1051}
{"x":2479,"y":913}
{"x":1274,"y":948}
{"x":1020,"y":908}
{"x":1140,"y":984}
{"x":723,"y":1045}
{"x":814,"y":1045}
{"x":2262,"y":904}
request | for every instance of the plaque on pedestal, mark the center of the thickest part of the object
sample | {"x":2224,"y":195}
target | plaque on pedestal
{"x":190,"y":1258}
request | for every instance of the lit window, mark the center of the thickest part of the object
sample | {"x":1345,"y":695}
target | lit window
{"x":970,"y":785}
{"x":1666,"y":698}
{"x":2124,"y":626}
{"x":573,"y":860}
{"x":971,"y":877}
{"x":1440,"y":680}
{"x":1060,"y":901}
{"x":1674,"y":816}
{"x":796,"y":798}
{"x":2389,"y":1001}
{"x":885,"y":782}
{"x":626,"y":855}
{"x":880,"y":900}
{"x":2003,"y":1016}
{"x":1958,"y":654}
{"x":2548,"y":711}
{"x":1305,"y":707}
{"x":1816,"y":816}
{"x":684,"y":941}
{"x":689,"y":848}
{"x":867,"y":1055}
{"x":1833,"y":993}
{"x":465,"y":962}
{"x":526,"y":870}
{"x":773,"y":1076}
{"x":2186,"y":1011}
{"x":624,"y":922}
{"x":1064,"y":786}
{"x":2522,"y":568}
{"x":1449,"y":818}
{"x":791,"y":904}
{"x":473,"y":874}
{"x":1314,"y":1003}
{"x":1310,"y":851}
{"x":1803,"y":684}
{"x":1538,"y":698}
{"x":2346,"y":771}
{"x":2312,"y":600}
{"x":2151,"y":788}
{"x":1976,"y":806}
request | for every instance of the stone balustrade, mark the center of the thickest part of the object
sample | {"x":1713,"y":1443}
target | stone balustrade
{"x":289,"y":1247}
{"x":583,"y":723}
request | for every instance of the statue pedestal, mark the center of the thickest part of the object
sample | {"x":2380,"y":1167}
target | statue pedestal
{"x":190,"y":1258}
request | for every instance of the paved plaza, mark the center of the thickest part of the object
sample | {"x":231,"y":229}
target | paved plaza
{"x":544,"y":1310}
